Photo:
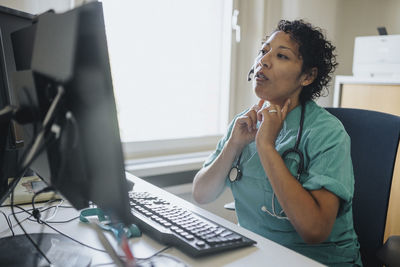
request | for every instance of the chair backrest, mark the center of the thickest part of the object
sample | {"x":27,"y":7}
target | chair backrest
{"x":374,"y":141}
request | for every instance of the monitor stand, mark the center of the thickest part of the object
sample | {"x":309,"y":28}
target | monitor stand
{"x":61,"y":251}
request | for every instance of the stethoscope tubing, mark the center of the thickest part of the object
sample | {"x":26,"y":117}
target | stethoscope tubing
{"x":236,"y":173}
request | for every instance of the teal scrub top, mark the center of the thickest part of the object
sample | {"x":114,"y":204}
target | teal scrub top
{"x":327,"y":164}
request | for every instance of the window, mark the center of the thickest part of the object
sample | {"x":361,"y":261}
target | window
{"x":170,"y":62}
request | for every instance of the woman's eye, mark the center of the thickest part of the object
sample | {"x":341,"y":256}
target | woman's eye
{"x":262,"y":52}
{"x":282,"y":56}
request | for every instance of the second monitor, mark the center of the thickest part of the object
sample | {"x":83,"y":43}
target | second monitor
{"x":81,"y":152}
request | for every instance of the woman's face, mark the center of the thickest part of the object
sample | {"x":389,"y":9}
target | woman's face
{"x":278,"y":70}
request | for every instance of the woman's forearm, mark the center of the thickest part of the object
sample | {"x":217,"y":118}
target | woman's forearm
{"x":312,"y":219}
{"x":209,"y":182}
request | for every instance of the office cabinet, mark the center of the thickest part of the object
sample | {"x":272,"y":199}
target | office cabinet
{"x":378,"y":94}
{"x":367,"y":93}
{"x":384,"y":98}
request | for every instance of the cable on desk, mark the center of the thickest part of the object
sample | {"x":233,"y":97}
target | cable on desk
{"x":11,"y":226}
{"x":73,"y":239}
{"x":66,"y":221}
{"x":47,"y":202}
{"x":102,"y":264}
{"x":23,"y":230}
{"x":16,"y":224}
{"x":142,"y":260}
{"x":155,"y":254}
{"x":8,"y":222}
{"x":44,"y":209}
{"x":21,"y":174}
{"x":61,"y":233}
{"x":36,"y":212}
{"x":29,"y":210}
{"x":83,"y":244}
{"x":88,"y":246}
{"x":55,"y":210}
{"x":177,"y":260}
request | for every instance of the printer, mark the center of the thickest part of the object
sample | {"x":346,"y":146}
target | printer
{"x":377,"y":56}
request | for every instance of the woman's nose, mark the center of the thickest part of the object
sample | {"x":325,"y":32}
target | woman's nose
{"x":265,"y":60}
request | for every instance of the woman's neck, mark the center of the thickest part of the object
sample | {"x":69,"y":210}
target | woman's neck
{"x":294,"y":102}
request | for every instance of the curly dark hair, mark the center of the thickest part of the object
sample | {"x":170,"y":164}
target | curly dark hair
{"x":315,"y":51}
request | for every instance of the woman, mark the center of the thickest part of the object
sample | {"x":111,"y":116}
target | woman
{"x":287,"y":160}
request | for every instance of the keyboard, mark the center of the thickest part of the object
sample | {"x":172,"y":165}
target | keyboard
{"x":184,"y":229}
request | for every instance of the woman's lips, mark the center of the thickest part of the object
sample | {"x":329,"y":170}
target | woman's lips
{"x":261,"y":77}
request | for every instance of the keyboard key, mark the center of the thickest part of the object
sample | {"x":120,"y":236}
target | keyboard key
{"x":200,"y":243}
{"x":226,"y":233}
{"x":189,"y":237}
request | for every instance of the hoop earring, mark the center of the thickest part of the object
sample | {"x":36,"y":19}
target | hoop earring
{"x":249,"y":74}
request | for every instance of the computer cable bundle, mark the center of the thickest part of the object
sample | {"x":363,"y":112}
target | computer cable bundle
{"x":58,"y":231}
{"x":42,"y":209}
{"x":35,"y":149}
{"x":28,"y":211}
{"x":36,"y":212}
{"x":23,"y":230}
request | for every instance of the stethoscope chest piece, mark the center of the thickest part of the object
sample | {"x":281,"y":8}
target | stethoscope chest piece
{"x":235,"y":174}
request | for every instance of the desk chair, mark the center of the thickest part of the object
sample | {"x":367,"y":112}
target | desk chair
{"x":374,"y":143}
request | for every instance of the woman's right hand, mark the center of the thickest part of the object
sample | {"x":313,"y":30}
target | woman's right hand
{"x":245,"y":128}
{"x":209,"y":182}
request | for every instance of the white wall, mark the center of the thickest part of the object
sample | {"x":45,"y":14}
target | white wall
{"x":360,"y":18}
{"x":342,"y":21}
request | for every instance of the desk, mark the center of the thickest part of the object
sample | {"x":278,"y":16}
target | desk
{"x":265,"y":252}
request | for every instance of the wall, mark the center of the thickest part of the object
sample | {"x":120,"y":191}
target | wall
{"x":342,"y":21}
{"x":360,"y":18}
{"x":251,"y":20}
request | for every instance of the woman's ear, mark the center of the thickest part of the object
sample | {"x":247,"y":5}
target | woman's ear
{"x":309,"y":76}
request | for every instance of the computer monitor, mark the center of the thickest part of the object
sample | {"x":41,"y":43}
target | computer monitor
{"x":11,"y":139}
{"x":82,"y":153}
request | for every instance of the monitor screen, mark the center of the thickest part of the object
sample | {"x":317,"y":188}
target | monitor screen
{"x":67,"y":89}
{"x":11,"y":138}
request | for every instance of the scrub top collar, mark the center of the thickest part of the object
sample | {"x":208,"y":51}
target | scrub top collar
{"x":292,"y":120}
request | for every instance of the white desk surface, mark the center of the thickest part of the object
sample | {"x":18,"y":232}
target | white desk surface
{"x":264,"y":253}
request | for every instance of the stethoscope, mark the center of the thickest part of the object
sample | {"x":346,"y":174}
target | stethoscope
{"x":235,"y":173}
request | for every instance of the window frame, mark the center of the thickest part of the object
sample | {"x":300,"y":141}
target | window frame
{"x":154,"y":153}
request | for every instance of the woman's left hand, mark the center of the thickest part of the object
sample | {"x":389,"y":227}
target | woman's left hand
{"x":271,"y":119}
